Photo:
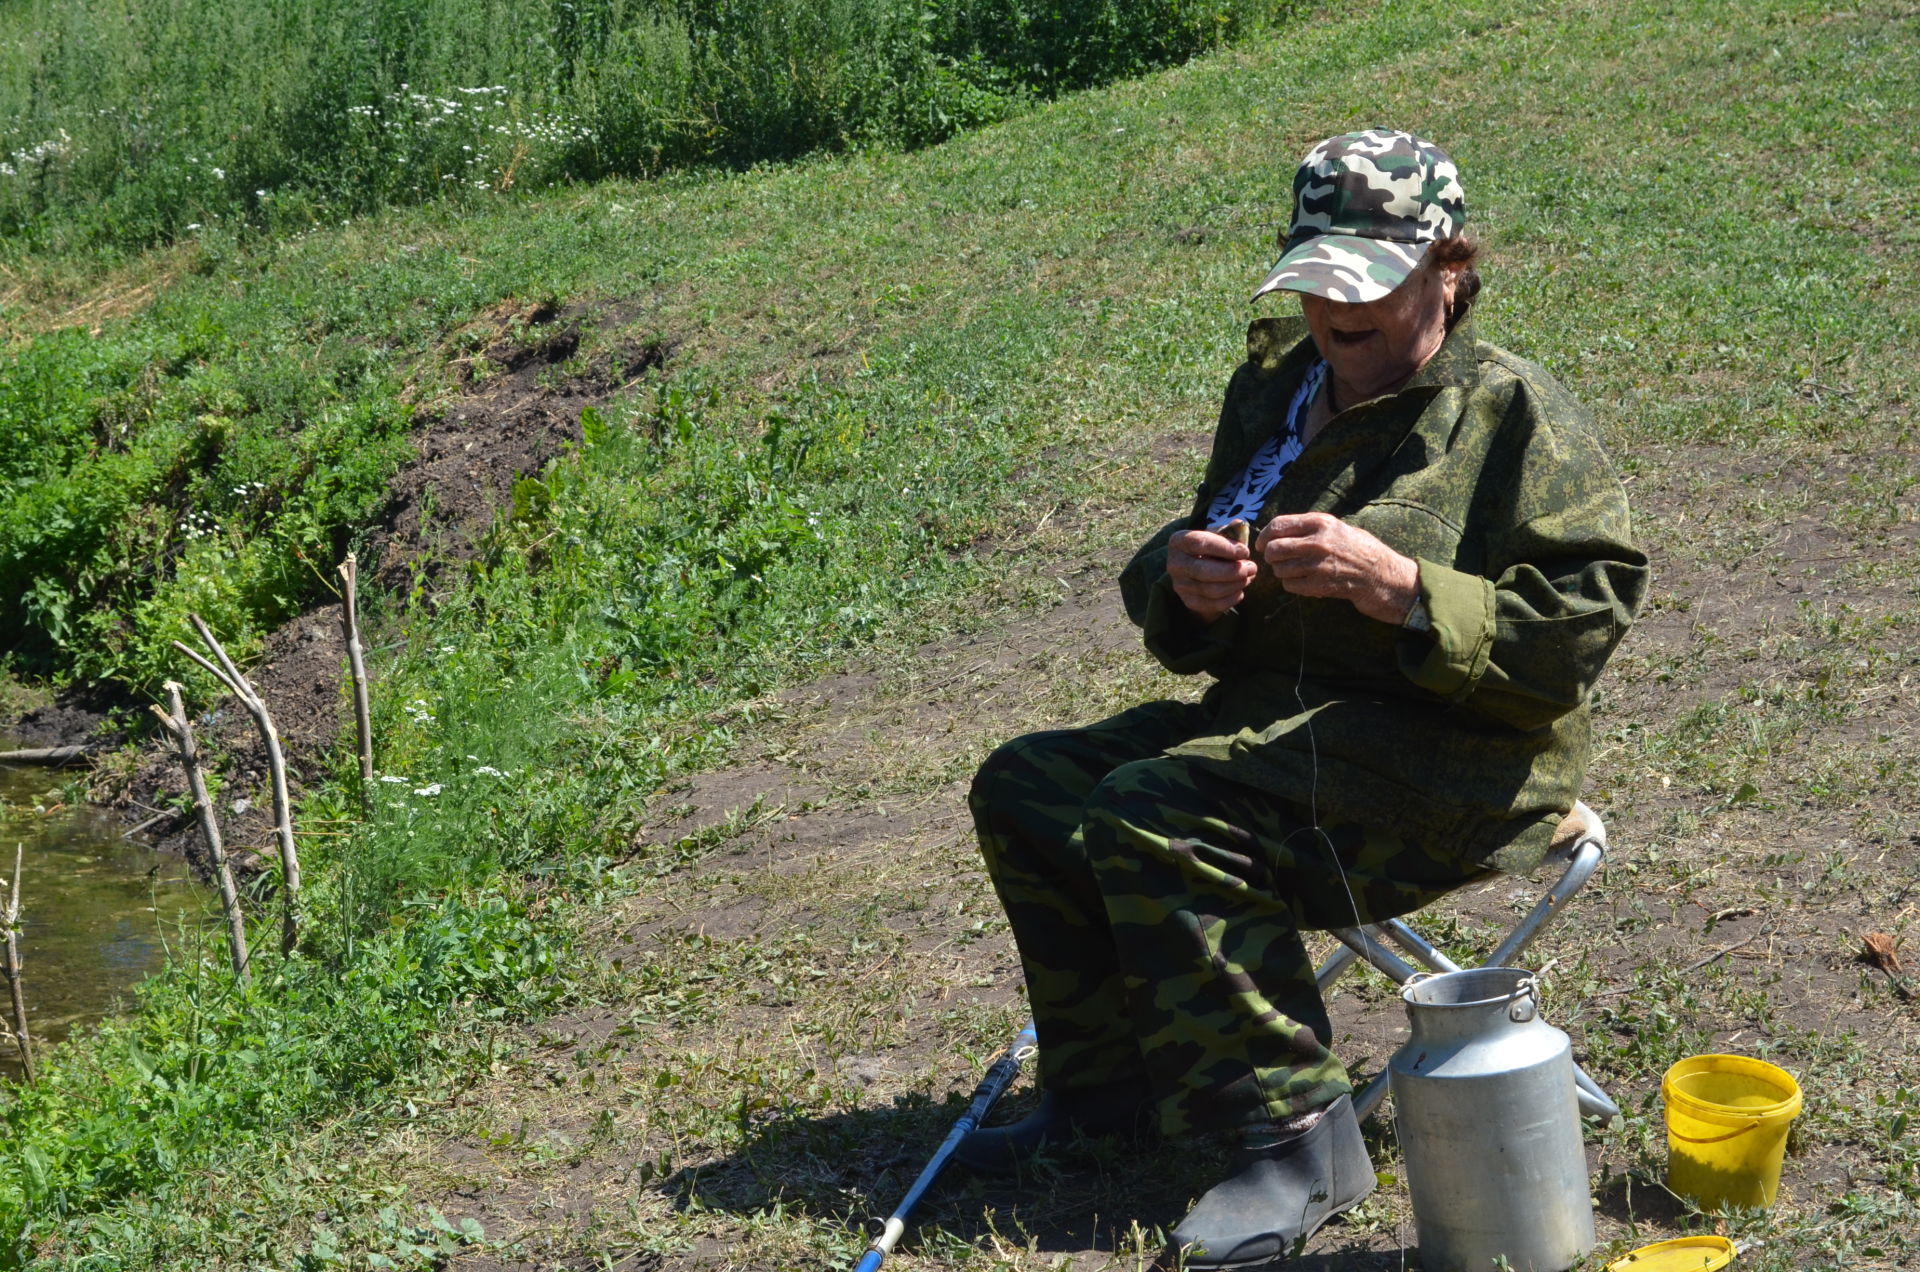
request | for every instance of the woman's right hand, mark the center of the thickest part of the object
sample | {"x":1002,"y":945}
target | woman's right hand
{"x":1209,"y":571}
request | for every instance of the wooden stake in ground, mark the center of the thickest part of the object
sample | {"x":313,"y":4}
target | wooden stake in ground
{"x":13,"y":968}
{"x":181,"y":729}
{"x":242,"y":688}
{"x":357,"y":668}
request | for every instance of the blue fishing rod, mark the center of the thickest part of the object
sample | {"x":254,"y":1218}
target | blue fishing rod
{"x":999,"y":1076}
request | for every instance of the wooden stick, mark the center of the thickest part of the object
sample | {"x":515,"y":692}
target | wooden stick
{"x":181,"y":728}
{"x":242,"y":688}
{"x":52,"y":756}
{"x":357,"y":668}
{"x":13,"y":968}
{"x":219,"y":651}
{"x":1722,"y":952}
{"x":151,"y":822}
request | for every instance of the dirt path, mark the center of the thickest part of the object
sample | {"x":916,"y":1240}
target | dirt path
{"x":813,"y":968}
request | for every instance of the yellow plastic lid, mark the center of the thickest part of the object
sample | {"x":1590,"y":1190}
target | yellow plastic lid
{"x":1686,"y":1254}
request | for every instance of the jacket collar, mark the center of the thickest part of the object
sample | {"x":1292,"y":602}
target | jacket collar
{"x":1454,"y":365}
{"x":1279,"y":351}
{"x":1360,"y":438}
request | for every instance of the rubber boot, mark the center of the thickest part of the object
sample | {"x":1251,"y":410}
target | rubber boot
{"x":1119,"y":1109}
{"x":1276,"y":1195}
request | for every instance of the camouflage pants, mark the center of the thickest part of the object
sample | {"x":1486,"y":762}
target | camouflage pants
{"x":1158,"y":909}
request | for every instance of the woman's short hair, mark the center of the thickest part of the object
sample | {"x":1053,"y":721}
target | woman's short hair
{"x":1462,"y":251}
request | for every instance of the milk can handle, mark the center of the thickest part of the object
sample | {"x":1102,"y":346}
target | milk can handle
{"x":1525,"y":1003}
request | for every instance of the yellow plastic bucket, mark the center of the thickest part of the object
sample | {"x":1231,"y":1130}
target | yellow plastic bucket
{"x":1727,"y":1121}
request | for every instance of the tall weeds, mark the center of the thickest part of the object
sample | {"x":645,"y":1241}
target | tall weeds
{"x":127,"y":123}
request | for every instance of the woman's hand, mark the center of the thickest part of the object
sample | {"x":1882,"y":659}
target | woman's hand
{"x":1209,"y":571}
{"x":1314,"y":554}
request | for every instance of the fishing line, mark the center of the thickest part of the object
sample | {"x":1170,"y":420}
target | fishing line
{"x":1237,"y":503}
{"x":1313,"y":788}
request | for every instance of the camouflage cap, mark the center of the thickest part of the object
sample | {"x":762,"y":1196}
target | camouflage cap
{"x":1366,"y":206}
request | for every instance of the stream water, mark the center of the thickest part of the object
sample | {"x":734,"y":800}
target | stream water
{"x":95,"y":912}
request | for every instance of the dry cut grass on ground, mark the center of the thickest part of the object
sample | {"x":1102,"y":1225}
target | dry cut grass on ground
{"x":792,"y":1012}
{"x":775,"y":1029}
{"x":814,"y":968}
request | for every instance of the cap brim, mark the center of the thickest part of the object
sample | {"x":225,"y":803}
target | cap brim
{"x":1344,"y":267}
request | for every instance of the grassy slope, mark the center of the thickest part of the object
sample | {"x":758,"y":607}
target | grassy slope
{"x":125,"y":127}
{"x":1067,"y":286}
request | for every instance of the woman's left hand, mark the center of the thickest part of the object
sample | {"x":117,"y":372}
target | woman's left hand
{"x":1314,"y":554}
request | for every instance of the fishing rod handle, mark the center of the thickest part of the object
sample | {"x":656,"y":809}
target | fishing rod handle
{"x":882,"y":1246}
{"x":993,"y":1084}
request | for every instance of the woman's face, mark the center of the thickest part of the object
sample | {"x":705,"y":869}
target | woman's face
{"x":1376,"y":347}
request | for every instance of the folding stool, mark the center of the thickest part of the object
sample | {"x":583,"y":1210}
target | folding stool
{"x":1580,"y":841}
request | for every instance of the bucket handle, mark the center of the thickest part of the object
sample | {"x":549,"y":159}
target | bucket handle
{"x":1714,"y":1139}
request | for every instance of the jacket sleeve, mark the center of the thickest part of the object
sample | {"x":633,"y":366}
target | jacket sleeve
{"x":1172,"y":632}
{"x":1524,"y":643}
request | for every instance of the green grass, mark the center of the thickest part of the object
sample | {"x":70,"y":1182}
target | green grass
{"x":130,"y":124}
{"x":192,"y":459}
{"x":900,"y":386}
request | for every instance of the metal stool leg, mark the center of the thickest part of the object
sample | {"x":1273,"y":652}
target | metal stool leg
{"x":1368,"y":944}
{"x":1415,"y":944}
{"x":1586,"y":859}
{"x":1334,"y":968}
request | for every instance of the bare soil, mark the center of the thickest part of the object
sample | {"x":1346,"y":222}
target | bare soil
{"x":523,"y":394}
{"x":69,"y":723}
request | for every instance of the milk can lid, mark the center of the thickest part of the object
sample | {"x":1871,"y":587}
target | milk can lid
{"x":1687,"y":1254}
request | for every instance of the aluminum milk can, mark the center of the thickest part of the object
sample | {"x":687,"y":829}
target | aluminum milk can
{"x":1489,"y":1124}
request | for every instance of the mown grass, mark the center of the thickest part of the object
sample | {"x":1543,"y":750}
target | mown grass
{"x":211,"y":457}
{"x":901,"y":384}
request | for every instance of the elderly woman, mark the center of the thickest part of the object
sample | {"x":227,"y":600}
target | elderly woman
{"x":1402,"y":659}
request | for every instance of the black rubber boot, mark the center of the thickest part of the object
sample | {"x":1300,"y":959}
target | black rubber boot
{"x":1276,"y":1195}
{"x":1120,"y":1109}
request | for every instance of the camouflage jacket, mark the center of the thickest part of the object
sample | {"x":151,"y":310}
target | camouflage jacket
{"x":1475,"y":734}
